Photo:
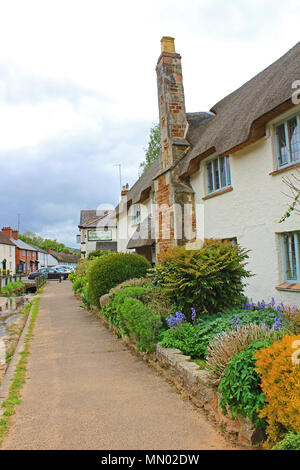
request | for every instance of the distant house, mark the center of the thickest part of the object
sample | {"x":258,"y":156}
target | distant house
{"x":98,"y":230}
{"x":26,"y":258}
{"x":7,"y":254}
{"x":63,"y":258}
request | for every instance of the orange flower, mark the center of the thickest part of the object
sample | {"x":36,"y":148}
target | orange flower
{"x":279,"y":368}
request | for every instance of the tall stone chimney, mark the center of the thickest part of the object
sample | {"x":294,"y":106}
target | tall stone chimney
{"x":171,"y":103}
{"x":174,"y":197}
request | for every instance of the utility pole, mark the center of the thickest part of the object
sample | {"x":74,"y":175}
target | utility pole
{"x":120,"y":175}
{"x":19,"y":222}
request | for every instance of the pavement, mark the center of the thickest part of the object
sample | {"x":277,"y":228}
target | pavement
{"x":85,"y":390}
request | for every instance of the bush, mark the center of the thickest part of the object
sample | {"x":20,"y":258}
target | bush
{"x":228,"y":343}
{"x":12,"y":287}
{"x":280,"y":382}
{"x":86,"y":297}
{"x":99,"y":254}
{"x":127,"y":312}
{"x":208,"y":326}
{"x":290,"y":442}
{"x":210,"y":279}
{"x":292,"y":314}
{"x":240,"y":387}
{"x":109,"y":271}
{"x":78,"y":285}
{"x":184,"y":337}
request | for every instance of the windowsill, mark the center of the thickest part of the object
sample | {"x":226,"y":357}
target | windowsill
{"x":218,"y":193}
{"x":289,"y":287}
{"x":285,"y":168}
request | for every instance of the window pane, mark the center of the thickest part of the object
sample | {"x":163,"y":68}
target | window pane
{"x":282,"y":146}
{"x":290,"y":253}
{"x":228,"y":170}
{"x":210,"y":177}
{"x":216,"y":174}
{"x":223,"y":172}
{"x":293,"y":130}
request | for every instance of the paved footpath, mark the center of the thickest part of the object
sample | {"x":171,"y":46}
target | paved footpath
{"x":85,"y":390}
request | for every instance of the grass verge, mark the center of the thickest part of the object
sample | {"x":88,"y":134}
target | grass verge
{"x":19,"y":377}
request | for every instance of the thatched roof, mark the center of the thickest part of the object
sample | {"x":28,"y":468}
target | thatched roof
{"x":234,"y":118}
{"x":141,"y":189}
{"x":65,"y":257}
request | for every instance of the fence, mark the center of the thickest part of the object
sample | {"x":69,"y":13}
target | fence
{"x":6,"y":279}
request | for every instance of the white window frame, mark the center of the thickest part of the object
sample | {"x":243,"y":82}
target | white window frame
{"x":284,"y":122}
{"x":137,"y":214}
{"x":227,"y":174}
{"x":296,"y":236}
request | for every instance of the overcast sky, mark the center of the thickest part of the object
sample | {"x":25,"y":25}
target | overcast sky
{"x":78,"y":90}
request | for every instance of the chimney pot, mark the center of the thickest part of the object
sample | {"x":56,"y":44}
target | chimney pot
{"x":167,"y":44}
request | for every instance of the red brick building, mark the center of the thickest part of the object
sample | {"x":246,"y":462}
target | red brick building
{"x":26,"y":255}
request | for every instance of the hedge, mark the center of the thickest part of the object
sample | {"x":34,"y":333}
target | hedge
{"x":109,"y":271}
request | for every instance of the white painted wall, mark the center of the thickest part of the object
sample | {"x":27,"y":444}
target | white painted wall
{"x":126,"y":227}
{"x":89,"y":246}
{"x":251,"y":213}
{"x":8,"y":252}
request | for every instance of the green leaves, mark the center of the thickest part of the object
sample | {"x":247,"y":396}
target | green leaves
{"x":210,"y":279}
{"x":153,"y":150}
{"x":240,"y":387}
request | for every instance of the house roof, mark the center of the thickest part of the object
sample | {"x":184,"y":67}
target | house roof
{"x":22,"y":245}
{"x":107,"y":220}
{"x":140,"y":189}
{"x":4,"y":240}
{"x":65,"y":257}
{"x":90,"y":214}
{"x":236,"y":118}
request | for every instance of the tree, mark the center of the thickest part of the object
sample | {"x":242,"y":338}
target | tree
{"x":153,"y":150}
{"x":293,"y":183}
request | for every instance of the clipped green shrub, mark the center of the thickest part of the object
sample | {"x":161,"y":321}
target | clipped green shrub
{"x":127,"y":312}
{"x":86,"y":297}
{"x":210,"y":279}
{"x":290,"y":442}
{"x":99,"y":254}
{"x":109,"y":271}
{"x":240,"y":387}
{"x":78,"y":285}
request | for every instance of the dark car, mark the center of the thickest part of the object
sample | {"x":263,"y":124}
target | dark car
{"x":50,"y":272}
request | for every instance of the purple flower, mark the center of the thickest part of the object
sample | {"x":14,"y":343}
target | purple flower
{"x":175,"y":320}
{"x":194,"y":314}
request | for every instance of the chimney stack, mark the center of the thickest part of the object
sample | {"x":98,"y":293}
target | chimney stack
{"x":125,"y":190}
{"x":15,"y":234}
{"x":7,"y":231}
{"x":172,"y":115}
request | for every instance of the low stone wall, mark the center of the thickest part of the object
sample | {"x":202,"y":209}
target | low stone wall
{"x":196,"y":384}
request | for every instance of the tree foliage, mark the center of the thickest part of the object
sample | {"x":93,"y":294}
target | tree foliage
{"x":44,"y":243}
{"x":153,"y":149}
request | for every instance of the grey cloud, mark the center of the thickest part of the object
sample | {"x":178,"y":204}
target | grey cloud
{"x":70,"y":173}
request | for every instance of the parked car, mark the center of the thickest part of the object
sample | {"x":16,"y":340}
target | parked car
{"x":50,"y":272}
{"x":65,"y":268}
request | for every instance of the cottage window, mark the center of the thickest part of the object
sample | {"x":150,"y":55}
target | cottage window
{"x":218,"y":174}
{"x":288,"y":141}
{"x":291,"y":249}
{"x":136,"y":214}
